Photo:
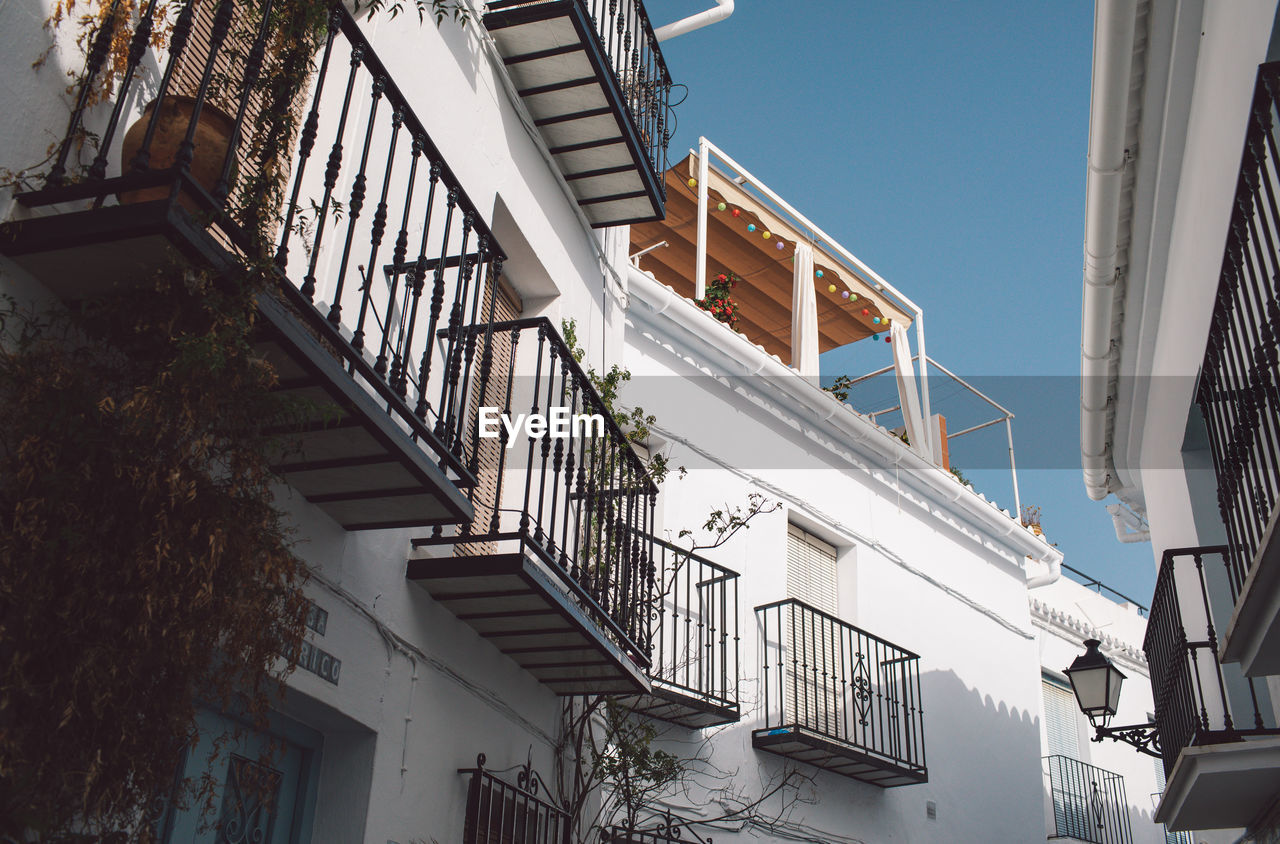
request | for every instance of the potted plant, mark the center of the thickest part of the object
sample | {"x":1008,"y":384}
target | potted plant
{"x":719,"y":301}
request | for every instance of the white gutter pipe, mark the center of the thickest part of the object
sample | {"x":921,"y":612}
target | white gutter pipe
{"x":717,"y":13}
{"x":1114,"y":24}
{"x":1053,"y":575}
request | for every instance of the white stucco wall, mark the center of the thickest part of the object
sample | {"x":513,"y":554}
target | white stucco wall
{"x":1065,"y":613}
{"x":955,"y":597}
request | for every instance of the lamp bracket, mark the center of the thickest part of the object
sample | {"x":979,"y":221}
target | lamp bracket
{"x":1144,"y":737}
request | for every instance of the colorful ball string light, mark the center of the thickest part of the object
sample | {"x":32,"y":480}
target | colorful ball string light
{"x":766,"y":235}
{"x":693,"y":183}
{"x":737,"y":212}
{"x":844,"y":294}
{"x":831,"y":288}
{"x":720,"y":207}
{"x":819,"y":273}
{"x":751,"y":227}
{"x":781,"y":245}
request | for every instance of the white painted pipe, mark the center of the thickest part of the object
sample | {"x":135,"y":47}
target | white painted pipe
{"x":1053,"y":575}
{"x":715,"y":14}
{"x":1114,"y":23}
{"x":1129,"y":528}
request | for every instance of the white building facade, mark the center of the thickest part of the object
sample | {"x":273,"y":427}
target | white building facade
{"x":456,"y":196}
{"x":1178,"y":372}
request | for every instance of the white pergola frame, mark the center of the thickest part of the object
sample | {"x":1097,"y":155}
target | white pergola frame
{"x":706,"y":150}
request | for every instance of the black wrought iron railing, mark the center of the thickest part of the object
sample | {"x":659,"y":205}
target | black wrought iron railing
{"x":1239,"y":388}
{"x":574,"y":494}
{"x":1198,"y":700}
{"x":377,"y":245}
{"x":695,"y":629}
{"x":1089,"y":803}
{"x":501,"y":812}
{"x":828,"y":677}
{"x":661,"y":829}
{"x":625,"y":36}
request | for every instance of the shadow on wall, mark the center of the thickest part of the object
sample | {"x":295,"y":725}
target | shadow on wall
{"x":984,"y":780}
{"x":1091,"y":804}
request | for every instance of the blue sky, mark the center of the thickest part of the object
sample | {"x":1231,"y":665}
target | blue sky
{"x":944,"y":144}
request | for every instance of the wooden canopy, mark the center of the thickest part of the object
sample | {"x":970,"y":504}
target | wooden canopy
{"x":764,"y":296}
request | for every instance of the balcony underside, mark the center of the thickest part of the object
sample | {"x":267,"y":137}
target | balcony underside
{"x":1221,"y":786}
{"x":512,"y":601}
{"x":677,"y":706}
{"x":569,"y":88}
{"x":804,"y":745}
{"x":346,"y":454}
{"x":1253,"y":636}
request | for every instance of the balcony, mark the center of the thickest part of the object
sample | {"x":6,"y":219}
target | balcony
{"x":557,"y":568}
{"x":1239,"y":392}
{"x":1217,"y":727}
{"x":695,"y":636}
{"x":377,"y":247}
{"x":1089,"y":803}
{"x":591,"y":75}
{"x":839,"y":698}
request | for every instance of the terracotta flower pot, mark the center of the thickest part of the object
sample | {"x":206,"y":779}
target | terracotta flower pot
{"x":212,"y":139}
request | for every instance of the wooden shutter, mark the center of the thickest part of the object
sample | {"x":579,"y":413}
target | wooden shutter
{"x":489,"y":452}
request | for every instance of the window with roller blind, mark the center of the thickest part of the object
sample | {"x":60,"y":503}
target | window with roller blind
{"x":1060,"y":721}
{"x":812,"y":698}
{"x":811,"y":570}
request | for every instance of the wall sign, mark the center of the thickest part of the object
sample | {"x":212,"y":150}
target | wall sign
{"x":317,"y":618}
{"x":319,"y":662}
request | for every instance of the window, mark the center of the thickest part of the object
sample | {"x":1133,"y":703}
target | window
{"x":814,"y":696}
{"x":811,"y":570}
{"x":1060,"y":722}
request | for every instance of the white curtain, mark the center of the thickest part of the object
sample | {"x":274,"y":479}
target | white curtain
{"x":908,"y":397}
{"x":804,"y":315}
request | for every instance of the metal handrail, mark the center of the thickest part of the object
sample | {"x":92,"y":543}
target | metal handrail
{"x":1239,"y":388}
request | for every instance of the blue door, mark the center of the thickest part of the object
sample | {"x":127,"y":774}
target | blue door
{"x":264,"y":784}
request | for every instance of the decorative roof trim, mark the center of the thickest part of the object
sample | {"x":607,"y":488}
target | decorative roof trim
{"x":1066,"y":625}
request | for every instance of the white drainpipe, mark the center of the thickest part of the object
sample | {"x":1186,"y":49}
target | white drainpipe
{"x":719,"y":12}
{"x":1051,"y":576}
{"x":1129,"y":527}
{"x":1114,"y":23}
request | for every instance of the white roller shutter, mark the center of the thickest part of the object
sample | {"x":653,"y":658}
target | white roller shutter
{"x":1060,"y":714}
{"x":811,"y":570}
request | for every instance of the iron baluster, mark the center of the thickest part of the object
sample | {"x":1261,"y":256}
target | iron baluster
{"x":333,"y":167}
{"x":355,"y":204}
{"x":97,"y":56}
{"x":306,"y":141}
{"x":137,"y":49}
{"x":377,"y":230}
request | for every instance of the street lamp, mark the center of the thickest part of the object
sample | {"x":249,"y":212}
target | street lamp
{"x":1096,"y":683}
